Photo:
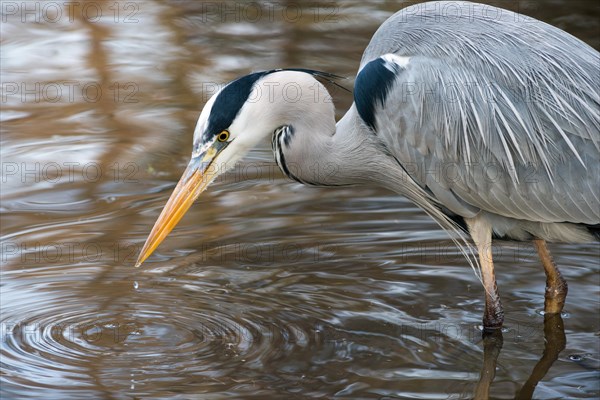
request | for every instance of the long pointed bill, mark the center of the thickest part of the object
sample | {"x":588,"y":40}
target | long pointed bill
{"x":198,"y":175}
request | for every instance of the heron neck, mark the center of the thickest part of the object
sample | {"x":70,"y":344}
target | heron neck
{"x":340,"y":157}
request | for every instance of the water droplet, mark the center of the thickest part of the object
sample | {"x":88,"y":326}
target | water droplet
{"x":562,"y":314}
{"x":136,"y":285}
{"x":480,"y":328}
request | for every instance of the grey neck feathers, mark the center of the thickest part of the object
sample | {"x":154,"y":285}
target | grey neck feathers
{"x":325,"y":154}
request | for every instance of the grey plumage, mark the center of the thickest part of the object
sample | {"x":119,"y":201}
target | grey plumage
{"x":496,"y":115}
{"x":487,"y":119}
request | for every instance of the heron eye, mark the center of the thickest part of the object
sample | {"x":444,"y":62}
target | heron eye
{"x":223,"y":136}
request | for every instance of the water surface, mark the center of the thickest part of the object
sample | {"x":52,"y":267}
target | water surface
{"x":266,"y":288}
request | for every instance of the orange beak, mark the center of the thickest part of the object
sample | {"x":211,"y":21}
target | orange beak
{"x":197,"y":176}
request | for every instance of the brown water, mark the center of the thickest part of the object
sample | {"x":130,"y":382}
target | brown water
{"x":266,"y":288}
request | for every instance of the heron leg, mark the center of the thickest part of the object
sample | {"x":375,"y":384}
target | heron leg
{"x":481,"y":232}
{"x":556,"y":285}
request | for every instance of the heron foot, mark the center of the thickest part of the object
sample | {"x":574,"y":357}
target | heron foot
{"x":555,"y":297}
{"x":556,"y":285}
{"x":493,"y":317}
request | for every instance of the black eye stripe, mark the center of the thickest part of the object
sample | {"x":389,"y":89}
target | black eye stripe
{"x":229,"y":102}
{"x":232,"y":98}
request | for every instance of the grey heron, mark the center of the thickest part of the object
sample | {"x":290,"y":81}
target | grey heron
{"x":486,"y":119}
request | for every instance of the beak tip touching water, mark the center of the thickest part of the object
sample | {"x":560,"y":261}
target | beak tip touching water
{"x":139,"y":262}
{"x":194,"y":181}
{"x":149,"y":246}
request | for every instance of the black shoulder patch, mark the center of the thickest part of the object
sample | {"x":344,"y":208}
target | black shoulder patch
{"x":372,"y":86}
{"x":229,"y":102}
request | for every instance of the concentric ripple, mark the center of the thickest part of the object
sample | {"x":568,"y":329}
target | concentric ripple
{"x":165,"y":332}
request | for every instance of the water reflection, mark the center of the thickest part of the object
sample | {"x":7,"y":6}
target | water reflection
{"x":554,"y":343}
{"x":266,"y":288}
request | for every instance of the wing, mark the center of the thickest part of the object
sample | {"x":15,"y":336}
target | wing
{"x":498,"y":114}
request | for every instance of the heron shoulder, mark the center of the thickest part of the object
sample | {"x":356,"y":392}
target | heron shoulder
{"x":528,"y":92}
{"x":473,"y":140}
{"x":374,"y":82}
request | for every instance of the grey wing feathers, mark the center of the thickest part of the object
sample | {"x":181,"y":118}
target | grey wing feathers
{"x":498,"y":114}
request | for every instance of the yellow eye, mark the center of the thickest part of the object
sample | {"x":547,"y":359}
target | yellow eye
{"x":223,"y":136}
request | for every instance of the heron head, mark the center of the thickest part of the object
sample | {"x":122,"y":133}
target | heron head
{"x":233,"y":121}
